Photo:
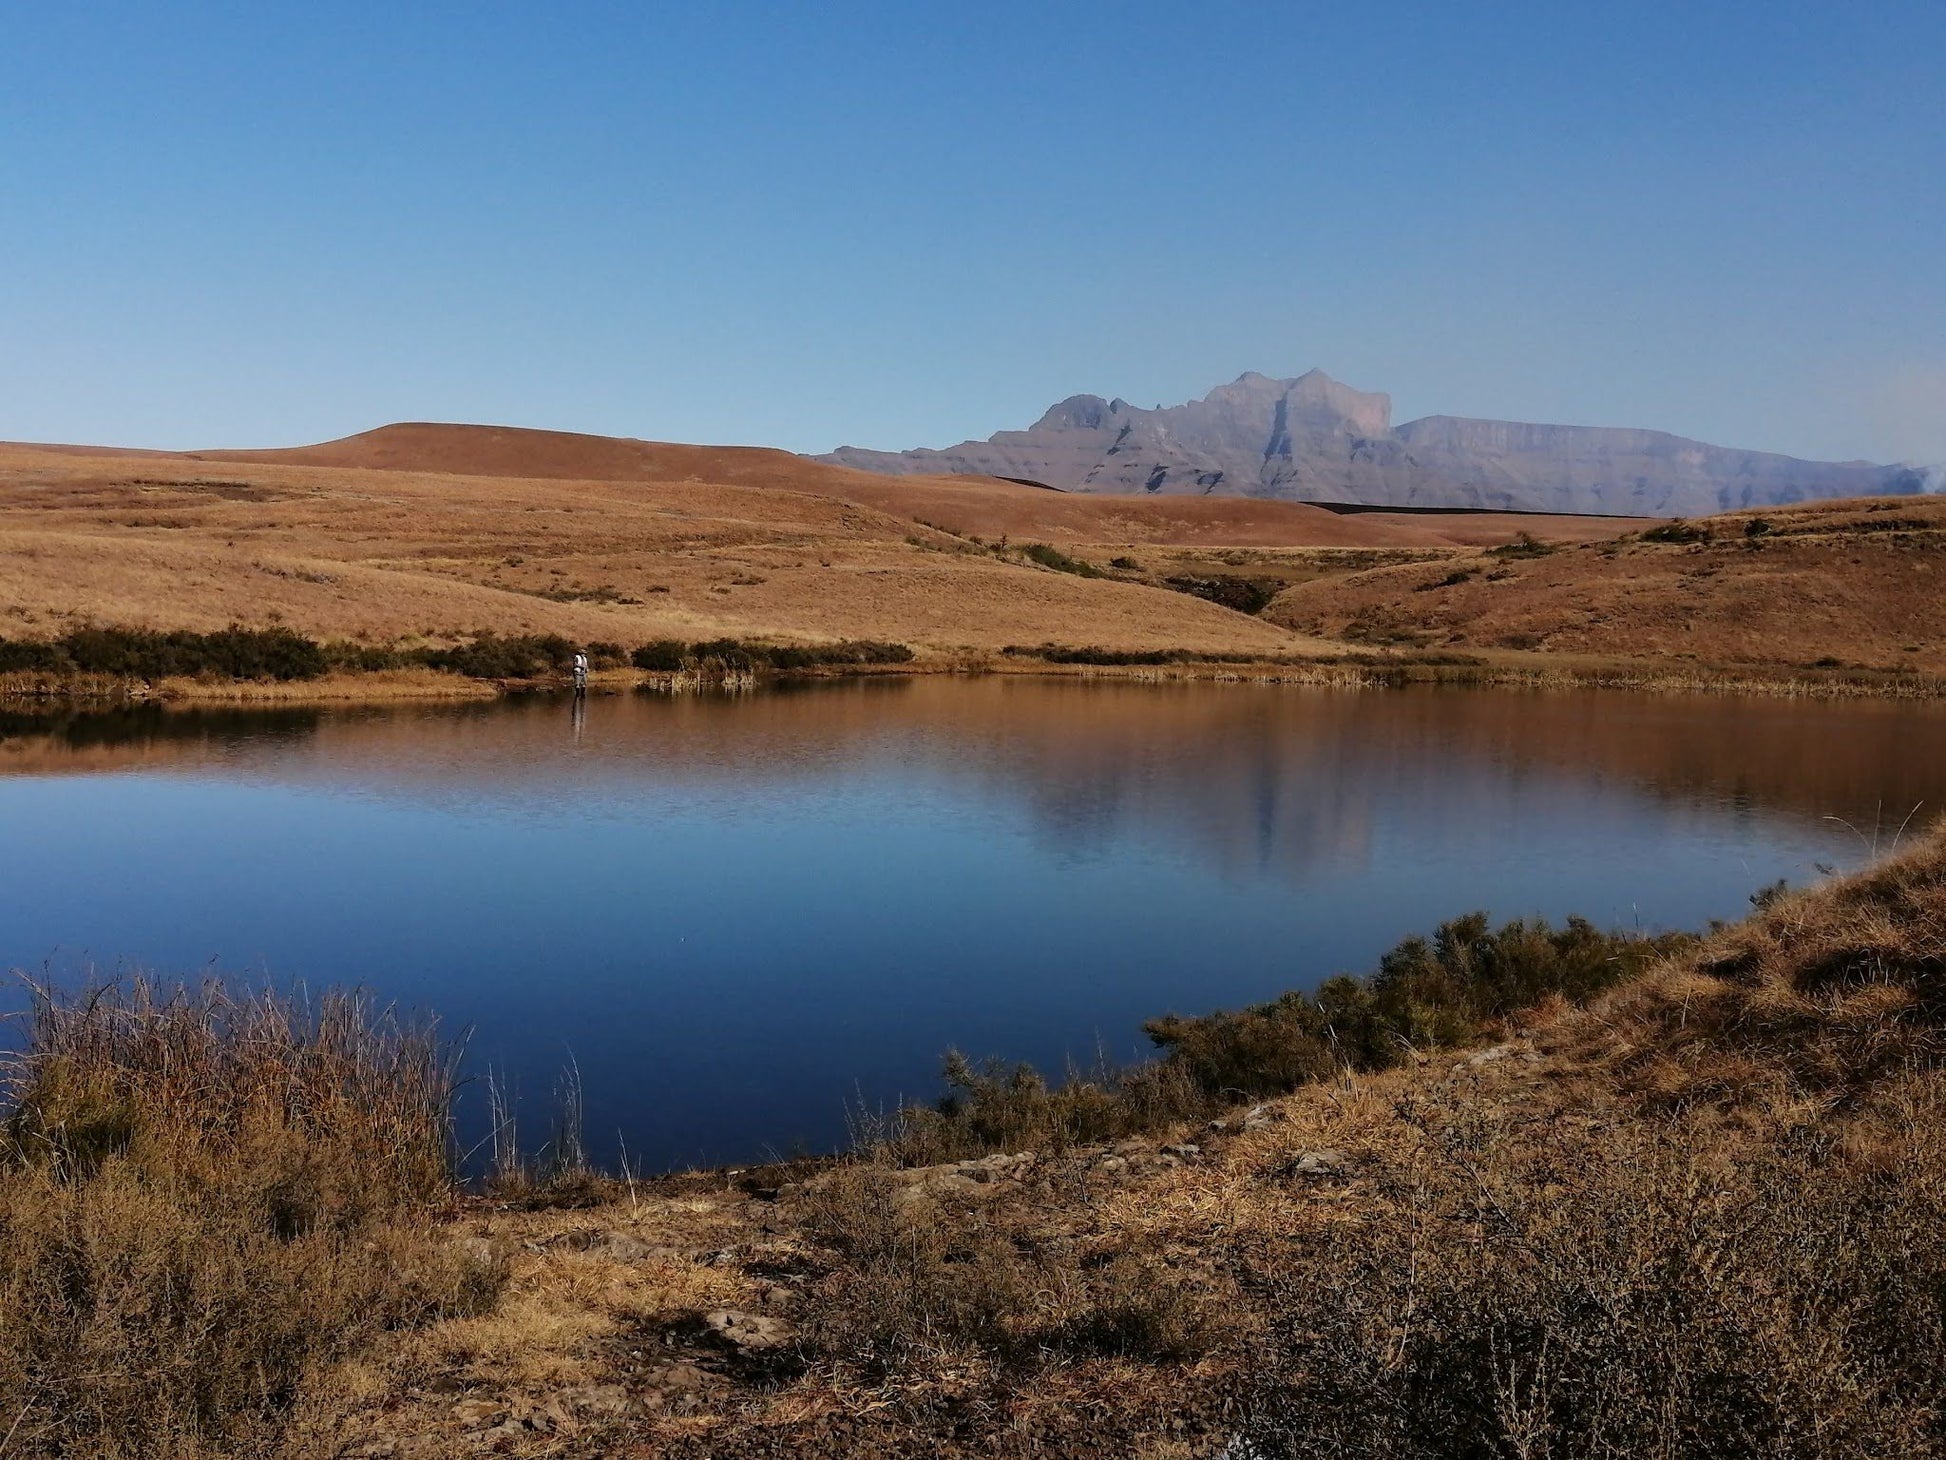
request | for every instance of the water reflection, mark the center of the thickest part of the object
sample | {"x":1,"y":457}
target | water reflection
{"x":737,"y":910}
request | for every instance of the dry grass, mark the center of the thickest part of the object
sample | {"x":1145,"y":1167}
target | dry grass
{"x":693,"y":544}
{"x":1836,"y":585}
{"x":204,"y":1199}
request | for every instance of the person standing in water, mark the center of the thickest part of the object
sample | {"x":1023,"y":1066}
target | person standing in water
{"x":580,"y":671}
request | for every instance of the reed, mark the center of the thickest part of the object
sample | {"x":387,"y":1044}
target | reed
{"x":205,"y":1198}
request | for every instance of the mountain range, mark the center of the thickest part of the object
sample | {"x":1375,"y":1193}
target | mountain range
{"x":1310,"y":438}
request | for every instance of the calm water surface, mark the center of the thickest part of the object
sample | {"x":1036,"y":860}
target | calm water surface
{"x":737,"y":914}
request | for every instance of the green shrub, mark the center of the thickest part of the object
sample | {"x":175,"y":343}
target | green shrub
{"x":1524,"y":545}
{"x":232,"y":653}
{"x":1444,"y":992}
{"x":729,"y":654}
{"x":347,"y":654}
{"x":1049,"y":556}
{"x":489,"y":656}
{"x":1093,"y":654}
{"x":663,"y":656}
{"x":667,"y":656}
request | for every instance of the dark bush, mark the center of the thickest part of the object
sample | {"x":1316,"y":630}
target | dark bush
{"x":1091,"y":654}
{"x":491,"y":657}
{"x":1443,"y":992}
{"x":347,"y":654}
{"x":233,"y":653}
{"x":1049,"y":556}
{"x":667,"y":656}
{"x":1677,"y":530}
{"x":1244,"y":595}
{"x":729,"y":654}
{"x":33,"y":656}
{"x":664,"y":656}
{"x":1524,"y":545}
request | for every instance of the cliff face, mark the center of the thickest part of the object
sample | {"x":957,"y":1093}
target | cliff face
{"x":1313,"y":439}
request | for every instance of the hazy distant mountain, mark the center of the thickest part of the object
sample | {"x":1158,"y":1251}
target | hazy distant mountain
{"x":1316,"y":440}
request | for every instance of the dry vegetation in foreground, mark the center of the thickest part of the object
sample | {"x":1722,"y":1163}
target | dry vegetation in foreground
{"x":1536,"y":1193}
{"x":203,"y":1200}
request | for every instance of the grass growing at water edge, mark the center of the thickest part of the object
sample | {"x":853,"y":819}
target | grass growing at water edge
{"x":206,"y":1197}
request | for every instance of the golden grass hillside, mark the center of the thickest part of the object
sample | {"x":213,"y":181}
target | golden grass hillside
{"x":1852,"y":584}
{"x":444,"y":531}
{"x":1695,"y":1214}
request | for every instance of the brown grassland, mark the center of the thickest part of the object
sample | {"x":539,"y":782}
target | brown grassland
{"x":437,"y":532}
{"x":1849,"y":585}
{"x":1524,"y":1193}
{"x":428,"y":534}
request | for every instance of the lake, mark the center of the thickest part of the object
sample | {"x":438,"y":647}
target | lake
{"x":735,"y":914}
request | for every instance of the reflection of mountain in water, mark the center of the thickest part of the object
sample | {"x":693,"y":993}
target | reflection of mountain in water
{"x":1252,"y":780}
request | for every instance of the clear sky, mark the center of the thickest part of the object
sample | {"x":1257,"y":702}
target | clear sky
{"x":903,"y":224}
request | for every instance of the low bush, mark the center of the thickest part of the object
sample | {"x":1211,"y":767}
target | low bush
{"x":1092,"y":654}
{"x":1243,"y":595}
{"x":605,"y":654}
{"x":1678,"y":531}
{"x":664,"y":656}
{"x":489,"y":656}
{"x":669,"y":656}
{"x":1447,"y":991}
{"x":1524,"y":545}
{"x":232,"y":653}
{"x":204,"y":1199}
{"x":1049,"y":556}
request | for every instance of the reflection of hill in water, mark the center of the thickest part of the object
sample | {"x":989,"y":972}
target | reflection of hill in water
{"x":1247,"y":777}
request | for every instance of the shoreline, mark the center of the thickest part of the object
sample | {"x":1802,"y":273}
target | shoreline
{"x":1352,"y":671}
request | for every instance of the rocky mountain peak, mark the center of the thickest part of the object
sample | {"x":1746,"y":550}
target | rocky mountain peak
{"x":1311,"y":438}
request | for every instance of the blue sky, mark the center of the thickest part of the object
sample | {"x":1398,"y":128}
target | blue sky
{"x":904,"y":224}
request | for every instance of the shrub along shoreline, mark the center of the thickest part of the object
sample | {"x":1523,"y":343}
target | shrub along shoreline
{"x":96,"y":663}
{"x":89,"y":659}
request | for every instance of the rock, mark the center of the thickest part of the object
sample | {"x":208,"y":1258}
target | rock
{"x":621,"y":1247}
{"x":475,"y":1412}
{"x":779,"y":1299}
{"x":678,"y":1379}
{"x":748,"y":1332}
{"x":1317,"y":1163}
{"x":603,"y":1400}
{"x":1259,"y":1116}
